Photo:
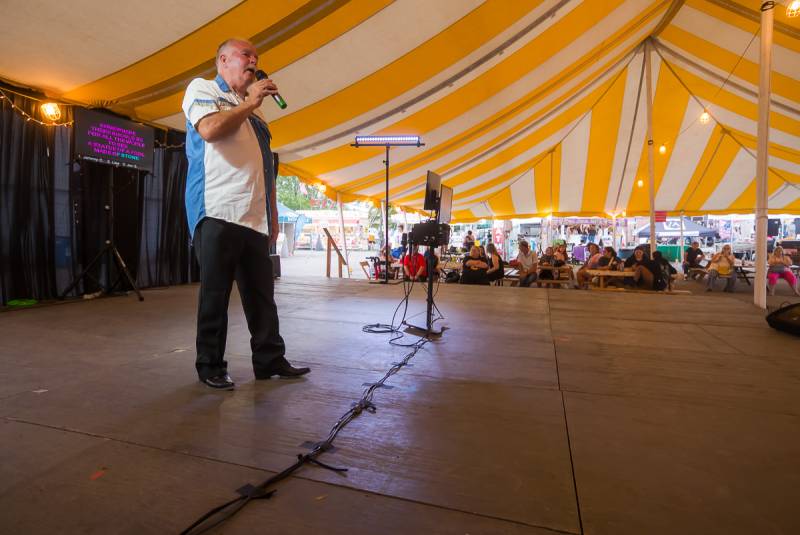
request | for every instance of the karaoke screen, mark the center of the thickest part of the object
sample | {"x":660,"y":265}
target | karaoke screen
{"x":107,"y":139}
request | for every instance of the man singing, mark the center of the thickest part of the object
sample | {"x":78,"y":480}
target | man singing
{"x":232,"y":212}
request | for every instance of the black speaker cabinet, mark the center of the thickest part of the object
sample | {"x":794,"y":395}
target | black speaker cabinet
{"x":276,"y":265}
{"x":773,"y":227}
{"x":786,"y":319}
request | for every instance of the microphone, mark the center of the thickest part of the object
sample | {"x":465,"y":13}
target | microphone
{"x":260,"y":75}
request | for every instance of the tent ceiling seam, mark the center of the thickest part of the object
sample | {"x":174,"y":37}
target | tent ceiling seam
{"x":661,"y":46}
{"x":630,"y":139}
{"x":572,"y":128}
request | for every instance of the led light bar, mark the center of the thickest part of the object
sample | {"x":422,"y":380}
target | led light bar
{"x":383,"y":141}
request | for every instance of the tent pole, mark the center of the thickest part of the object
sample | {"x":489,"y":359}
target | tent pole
{"x":341,"y":227}
{"x":650,"y":149}
{"x":614,"y":232}
{"x":762,"y":157}
{"x":680,"y":254}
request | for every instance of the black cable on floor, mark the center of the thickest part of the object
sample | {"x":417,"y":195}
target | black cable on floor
{"x":248,"y":493}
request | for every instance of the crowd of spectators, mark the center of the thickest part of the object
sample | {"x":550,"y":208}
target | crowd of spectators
{"x":484,"y":265}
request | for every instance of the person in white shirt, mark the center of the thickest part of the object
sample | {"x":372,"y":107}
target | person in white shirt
{"x":232,"y":212}
{"x":526,"y":263}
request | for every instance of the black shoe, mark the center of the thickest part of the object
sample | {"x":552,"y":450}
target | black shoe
{"x":282,"y":368}
{"x":221,"y":382}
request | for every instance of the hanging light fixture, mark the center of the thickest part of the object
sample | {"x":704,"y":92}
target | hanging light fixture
{"x":793,"y":9}
{"x":705,"y":117}
{"x":640,"y":183}
{"x":322,"y":188}
{"x":662,"y":149}
{"x":51,"y":111}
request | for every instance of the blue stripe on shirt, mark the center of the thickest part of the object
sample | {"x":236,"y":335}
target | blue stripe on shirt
{"x":195,"y":178}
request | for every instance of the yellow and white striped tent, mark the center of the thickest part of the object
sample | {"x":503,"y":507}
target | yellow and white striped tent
{"x":526,"y":107}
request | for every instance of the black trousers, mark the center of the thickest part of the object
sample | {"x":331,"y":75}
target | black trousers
{"x":228,"y":252}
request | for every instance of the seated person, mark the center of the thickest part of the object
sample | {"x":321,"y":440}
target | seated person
{"x":414,"y":265}
{"x":665,"y":271}
{"x":722,"y":264}
{"x":437,"y":265}
{"x":692,"y":258}
{"x":496,"y":269}
{"x":560,"y":256}
{"x":526,"y":264}
{"x":610,"y":260}
{"x":561,"y":259}
{"x":381,"y":263}
{"x":779,"y":269}
{"x":473,"y":270}
{"x":547,"y":260}
{"x":593,"y":257}
{"x":641,"y":268}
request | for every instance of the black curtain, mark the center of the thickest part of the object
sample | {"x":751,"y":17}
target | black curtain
{"x":27,"y":240}
{"x":53,"y":216}
{"x":165,"y":253}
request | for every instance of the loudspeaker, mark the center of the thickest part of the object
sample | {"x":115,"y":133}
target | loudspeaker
{"x":276,"y":265}
{"x":773,"y":227}
{"x":786,"y":319}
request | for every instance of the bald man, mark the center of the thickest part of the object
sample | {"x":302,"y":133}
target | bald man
{"x":232,"y":212}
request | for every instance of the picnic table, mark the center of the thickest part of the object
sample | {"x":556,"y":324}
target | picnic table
{"x":603,"y":274}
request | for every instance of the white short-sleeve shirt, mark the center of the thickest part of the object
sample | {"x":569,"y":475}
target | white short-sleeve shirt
{"x":225,"y":179}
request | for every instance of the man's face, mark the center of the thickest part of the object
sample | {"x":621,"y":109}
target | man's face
{"x":695,"y":245}
{"x":237,"y":65}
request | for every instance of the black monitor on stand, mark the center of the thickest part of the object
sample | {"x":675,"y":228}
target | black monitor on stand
{"x":433,"y":233}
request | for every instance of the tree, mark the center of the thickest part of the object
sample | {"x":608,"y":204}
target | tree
{"x":298,"y":196}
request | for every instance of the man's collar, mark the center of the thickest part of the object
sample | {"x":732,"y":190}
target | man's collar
{"x":223,"y":85}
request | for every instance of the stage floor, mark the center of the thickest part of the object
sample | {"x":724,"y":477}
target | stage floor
{"x":538,"y":412}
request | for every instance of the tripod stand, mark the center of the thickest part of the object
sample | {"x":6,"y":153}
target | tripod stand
{"x":109,"y":251}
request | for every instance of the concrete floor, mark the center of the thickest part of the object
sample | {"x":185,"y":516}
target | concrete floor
{"x":538,"y":412}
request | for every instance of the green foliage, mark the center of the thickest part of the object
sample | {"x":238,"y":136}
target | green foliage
{"x":298,"y":196}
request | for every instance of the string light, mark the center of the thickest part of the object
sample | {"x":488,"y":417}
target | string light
{"x":26,"y":115}
{"x":705,"y":117}
{"x":640,"y":183}
{"x":662,"y":149}
{"x":51,"y":111}
{"x":322,"y":188}
{"x":793,"y":9}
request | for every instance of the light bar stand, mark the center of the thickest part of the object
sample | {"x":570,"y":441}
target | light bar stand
{"x":387,"y":141}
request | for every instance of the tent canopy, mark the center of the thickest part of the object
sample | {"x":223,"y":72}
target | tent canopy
{"x":526,"y":108}
{"x":672,"y":228}
{"x":286,"y":214}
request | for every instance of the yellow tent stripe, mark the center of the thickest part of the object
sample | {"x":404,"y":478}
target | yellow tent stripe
{"x":502,"y":203}
{"x":747,"y":70}
{"x":350,"y":15}
{"x":606,"y":117}
{"x":247,"y":18}
{"x":520,"y":147}
{"x":708,"y":92}
{"x":543,"y":183}
{"x":669,"y":105}
{"x":405,"y":73}
{"x":501,"y":117}
{"x":498,"y":139}
{"x":728,"y":149}
{"x":746,"y":201}
{"x":523,"y":61}
{"x":743,"y":23}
